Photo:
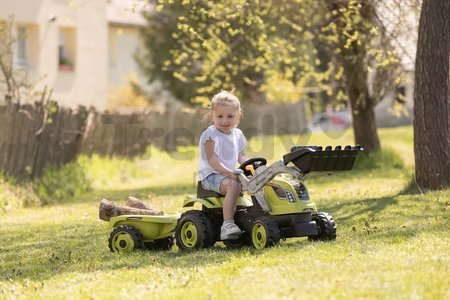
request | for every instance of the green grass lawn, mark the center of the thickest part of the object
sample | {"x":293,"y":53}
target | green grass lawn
{"x":390,"y":244}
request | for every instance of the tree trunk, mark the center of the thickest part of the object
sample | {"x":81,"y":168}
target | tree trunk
{"x":432,"y":97}
{"x":352,"y":57}
{"x":253,"y":90}
{"x":365,"y":128}
{"x":362,"y":105}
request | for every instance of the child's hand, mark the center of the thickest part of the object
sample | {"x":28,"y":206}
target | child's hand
{"x":236,"y":174}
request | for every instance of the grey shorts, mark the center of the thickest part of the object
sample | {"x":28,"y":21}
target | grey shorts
{"x":212,"y":182}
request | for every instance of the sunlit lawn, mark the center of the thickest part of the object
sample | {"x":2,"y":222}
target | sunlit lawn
{"x":390,"y":245}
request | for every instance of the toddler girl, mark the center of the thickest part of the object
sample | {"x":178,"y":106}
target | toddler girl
{"x":221,"y":148}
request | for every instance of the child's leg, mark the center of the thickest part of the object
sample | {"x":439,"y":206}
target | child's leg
{"x":231,"y":189}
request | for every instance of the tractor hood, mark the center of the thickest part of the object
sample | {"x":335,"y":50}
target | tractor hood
{"x":315,"y":159}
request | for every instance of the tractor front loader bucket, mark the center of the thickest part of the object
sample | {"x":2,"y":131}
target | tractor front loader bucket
{"x":315,"y":159}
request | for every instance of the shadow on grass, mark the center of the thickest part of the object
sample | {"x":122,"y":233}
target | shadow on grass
{"x":411,"y":188}
{"x":47,"y":252}
{"x":370,"y":207}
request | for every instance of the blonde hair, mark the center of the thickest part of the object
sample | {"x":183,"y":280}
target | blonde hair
{"x":223,"y":98}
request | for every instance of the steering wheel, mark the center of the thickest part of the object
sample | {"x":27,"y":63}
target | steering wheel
{"x":256,"y":162}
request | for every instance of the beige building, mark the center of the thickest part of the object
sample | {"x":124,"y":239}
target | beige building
{"x":82,"y":50}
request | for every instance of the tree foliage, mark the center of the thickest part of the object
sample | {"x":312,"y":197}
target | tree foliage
{"x":338,"y":49}
{"x":199,"y":47}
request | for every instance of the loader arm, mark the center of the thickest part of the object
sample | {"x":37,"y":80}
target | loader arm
{"x":306,"y":159}
{"x":261,"y":179}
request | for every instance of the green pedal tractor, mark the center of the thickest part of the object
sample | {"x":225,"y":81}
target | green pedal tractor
{"x":275,"y":204}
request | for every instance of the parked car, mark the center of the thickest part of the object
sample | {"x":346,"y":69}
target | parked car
{"x":331,"y":121}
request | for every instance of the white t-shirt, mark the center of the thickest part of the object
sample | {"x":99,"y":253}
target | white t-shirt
{"x":226,"y":147}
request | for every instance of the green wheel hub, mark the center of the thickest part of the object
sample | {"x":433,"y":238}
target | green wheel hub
{"x":125,"y":239}
{"x":194,"y":231}
{"x":259,"y":236}
{"x":265,"y":233}
{"x":123,"y":242}
{"x":189,"y":234}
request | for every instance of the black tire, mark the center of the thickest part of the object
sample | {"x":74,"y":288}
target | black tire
{"x":164,"y":244}
{"x":264,"y":233}
{"x":125,"y":239}
{"x":212,"y":237}
{"x":194,"y":231}
{"x":325,"y":226}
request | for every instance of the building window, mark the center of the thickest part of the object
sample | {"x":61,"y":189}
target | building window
{"x":26,"y":50}
{"x":22,"y":60}
{"x":66,"y":49}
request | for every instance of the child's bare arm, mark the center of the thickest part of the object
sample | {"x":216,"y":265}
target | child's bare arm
{"x":215,"y":162}
{"x":242,"y":157}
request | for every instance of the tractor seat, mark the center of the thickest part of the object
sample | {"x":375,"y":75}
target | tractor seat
{"x":202,"y":193}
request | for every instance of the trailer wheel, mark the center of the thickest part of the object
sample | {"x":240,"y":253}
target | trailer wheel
{"x":264,"y":233}
{"x":125,"y":239}
{"x":325,"y":226}
{"x":193,"y":231}
{"x":161,"y":244}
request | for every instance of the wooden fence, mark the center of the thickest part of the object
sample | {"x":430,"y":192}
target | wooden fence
{"x":129,"y":135}
{"x":35,"y":136}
